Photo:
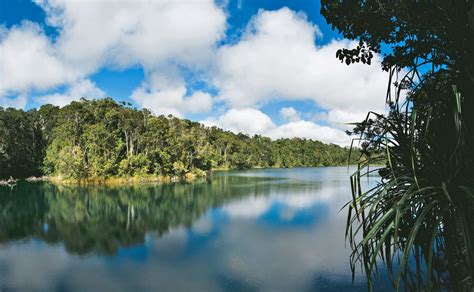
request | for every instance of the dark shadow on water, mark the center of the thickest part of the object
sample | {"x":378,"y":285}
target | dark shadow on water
{"x":102,"y":219}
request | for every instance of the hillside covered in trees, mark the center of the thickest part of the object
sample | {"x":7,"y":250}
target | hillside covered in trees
{"x":102,"y":138}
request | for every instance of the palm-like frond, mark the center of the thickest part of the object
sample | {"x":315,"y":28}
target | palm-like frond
{"x":418,"y":220}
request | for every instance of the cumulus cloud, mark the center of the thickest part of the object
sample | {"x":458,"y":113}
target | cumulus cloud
{"x":253,"y":121}
{"x":246,"y":120}
{"x":19,"y":101}
{"x":164,"y":92}
{"x":172,"y":100}
{"x":310,"y":130}
{"x":277,"y":58}
{"x":28,"y":60}
{"x":289,"y":114}
{"x":256,"y":206}
{"x":117,"y":34}
{"x":82,"y":88}
{"x":125,"y":33}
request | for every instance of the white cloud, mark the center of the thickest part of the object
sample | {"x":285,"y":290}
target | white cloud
{"x":118,"y":34}
{"x":320,"y":116}
{"x":253,"y":121}
{"x":28,"y":60}
{"x":173,"y":101}
{"x":158,"y":35}
{"x":82,"y":88}
{"x":124,"y":33}
{"x":246,"y":120}
{"x":289,"y":114}
{"x":166,"y":94}
{"x":340,"y":118}
{"x":277,"y":59}
{"x":16,"y":102}
{"x":310,"y":130}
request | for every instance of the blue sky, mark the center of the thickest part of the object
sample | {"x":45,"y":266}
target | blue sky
{"x":260,"y":67}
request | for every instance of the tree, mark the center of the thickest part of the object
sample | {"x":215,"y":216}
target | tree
{"x":422,"y":212}
{"x":100,"y":138}
{"x":21,"y":147}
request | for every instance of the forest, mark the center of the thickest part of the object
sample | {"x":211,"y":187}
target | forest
{"x":103,"y":138}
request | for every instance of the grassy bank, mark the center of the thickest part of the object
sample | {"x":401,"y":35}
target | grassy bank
{"x":188,"y":177}
{"x":130,"y":180}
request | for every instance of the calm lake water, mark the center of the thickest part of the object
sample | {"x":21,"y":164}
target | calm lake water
{"x":256,"y":230}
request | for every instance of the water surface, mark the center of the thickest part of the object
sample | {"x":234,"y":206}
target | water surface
{"x":256,"y":230}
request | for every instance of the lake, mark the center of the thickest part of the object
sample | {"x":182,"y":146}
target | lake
{"x":255,"y":230}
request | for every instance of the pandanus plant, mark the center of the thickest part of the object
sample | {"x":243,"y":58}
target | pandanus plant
{"x":418,"y":220}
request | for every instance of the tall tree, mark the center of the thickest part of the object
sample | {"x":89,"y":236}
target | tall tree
{"x":100,"y":138}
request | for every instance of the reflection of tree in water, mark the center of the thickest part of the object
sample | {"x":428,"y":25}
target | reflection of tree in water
{"x":103,"y":219}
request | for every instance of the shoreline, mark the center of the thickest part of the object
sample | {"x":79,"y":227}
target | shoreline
{"x":133,"y":180}
{"x":108,"y":181}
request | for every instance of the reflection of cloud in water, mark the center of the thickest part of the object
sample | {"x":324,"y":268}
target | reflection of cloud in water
{"x":291,"y":257}
{"x":249,"y":208}
{"x":203,"y":225}
{"x":280,"y":215}
{"x":31,"y":267}
{"x":227,"y":248}
{"x":171,"y":245}
{"x":287,"y":214}
{"x":243,"y":254}
{"x":295,"y":198}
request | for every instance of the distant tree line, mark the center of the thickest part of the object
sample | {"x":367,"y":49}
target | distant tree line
{"x":103,"y":138}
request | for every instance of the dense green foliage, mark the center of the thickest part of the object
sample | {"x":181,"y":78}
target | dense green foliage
{"x":420,"y":219}
{"x":100,"y":138}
